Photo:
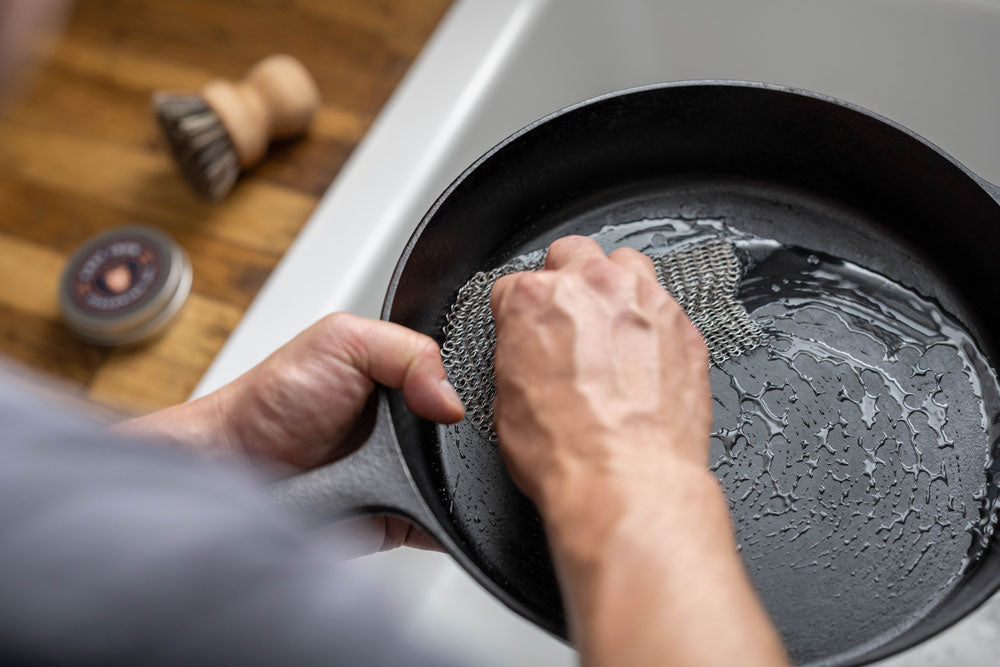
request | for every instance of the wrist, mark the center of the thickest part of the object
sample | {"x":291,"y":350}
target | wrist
{"x":199,"y":425}
{"x":595,"y":509}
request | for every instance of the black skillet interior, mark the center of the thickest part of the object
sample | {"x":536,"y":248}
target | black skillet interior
{"x":795,"y":167}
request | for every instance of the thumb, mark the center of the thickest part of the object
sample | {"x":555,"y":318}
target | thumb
{"x":403,"y":359}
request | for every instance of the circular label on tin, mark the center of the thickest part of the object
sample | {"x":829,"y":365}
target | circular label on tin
{"x":115,"y":276}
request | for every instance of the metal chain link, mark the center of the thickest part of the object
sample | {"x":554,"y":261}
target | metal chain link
{"x":702,"y":278}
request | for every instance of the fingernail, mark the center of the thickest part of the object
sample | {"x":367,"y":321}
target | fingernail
{"x":450,"y":394}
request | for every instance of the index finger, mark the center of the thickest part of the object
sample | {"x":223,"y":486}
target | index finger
{"x":570,"y":251}
{"x":499,"y":291}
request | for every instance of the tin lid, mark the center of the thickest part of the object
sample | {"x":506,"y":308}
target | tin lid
{"x":124,"y":285}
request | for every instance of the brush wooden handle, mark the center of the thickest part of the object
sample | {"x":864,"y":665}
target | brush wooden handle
{"x":276,"y":99}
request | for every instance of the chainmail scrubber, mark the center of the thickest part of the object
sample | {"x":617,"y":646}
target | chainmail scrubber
{"x":703,"y":278}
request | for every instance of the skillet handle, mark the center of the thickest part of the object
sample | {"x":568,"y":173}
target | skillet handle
{"x":370,"y":480}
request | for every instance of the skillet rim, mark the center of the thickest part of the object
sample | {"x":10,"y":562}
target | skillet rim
{"x":469,"y":564}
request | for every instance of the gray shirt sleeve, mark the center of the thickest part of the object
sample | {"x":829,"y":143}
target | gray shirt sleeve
{"x":126,"y":553}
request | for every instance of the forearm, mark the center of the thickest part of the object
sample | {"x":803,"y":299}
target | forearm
{"x":651,"y":575}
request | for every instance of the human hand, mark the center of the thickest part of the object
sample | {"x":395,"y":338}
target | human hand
{"x":301,"y":405}
{"x":603,"y":412}
{"x":601,"y":378}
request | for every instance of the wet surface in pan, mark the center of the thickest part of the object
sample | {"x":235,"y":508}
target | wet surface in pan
{"x":854,"y":446}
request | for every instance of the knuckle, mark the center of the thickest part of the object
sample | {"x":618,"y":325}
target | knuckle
{"x":630,"y":254}
{"x":654,"y":294}
{"x":530,"y":288}
{"x":635,"y":261}
{"x":503,"y":282}
{"x":501,"y":285}
{"x":568,"y":243}
{"x":669,"y":309}
{"x":339,"y":328}
{"x":564,"y":249}
{"x":559,"y":249}
{"x":602,"y":270}
{"x":521,"y":292}
{"x":336,"y":321}
{"x":340,"y":334}
{"x":425,"y":346}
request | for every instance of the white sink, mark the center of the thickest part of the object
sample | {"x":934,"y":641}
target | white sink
{"x":495,"y":65}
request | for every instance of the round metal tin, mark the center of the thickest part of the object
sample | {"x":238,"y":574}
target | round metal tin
{"x":124,"y":285}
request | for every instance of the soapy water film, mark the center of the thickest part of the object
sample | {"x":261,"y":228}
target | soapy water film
{"x":854,"y":446}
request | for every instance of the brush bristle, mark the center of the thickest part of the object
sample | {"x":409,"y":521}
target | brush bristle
{"x":199,"y":142}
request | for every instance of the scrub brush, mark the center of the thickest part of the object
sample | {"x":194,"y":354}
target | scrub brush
{"x":226,"y":128}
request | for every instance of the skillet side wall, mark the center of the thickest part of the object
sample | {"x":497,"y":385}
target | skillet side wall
{"x":734,"y":132}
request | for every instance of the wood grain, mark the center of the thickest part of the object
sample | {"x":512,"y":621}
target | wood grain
{"x":79,"y":154}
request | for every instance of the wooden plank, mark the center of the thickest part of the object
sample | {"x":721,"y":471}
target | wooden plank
{"x":31,"y":330}
{"x":80,"y":153}
{"x":350,"y":57}
{"x":30,"y":277}
{"x":222,"y":270}
{"x":81,"y":75}
{"x":143,"y":183}
{"x":43,"y":343}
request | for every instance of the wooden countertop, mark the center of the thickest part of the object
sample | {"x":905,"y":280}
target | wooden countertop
{"x":80,"y":153}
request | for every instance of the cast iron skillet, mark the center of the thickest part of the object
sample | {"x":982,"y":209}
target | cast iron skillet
{"x":791,"y":165}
